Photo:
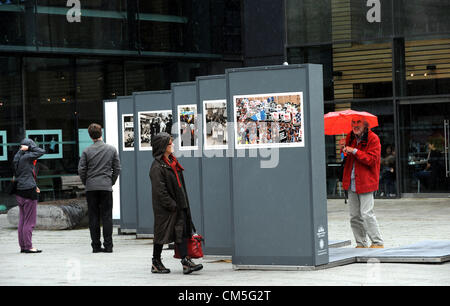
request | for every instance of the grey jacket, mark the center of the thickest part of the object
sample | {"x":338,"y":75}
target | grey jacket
{"x":23,"y":164}
{"x":99,"y":166}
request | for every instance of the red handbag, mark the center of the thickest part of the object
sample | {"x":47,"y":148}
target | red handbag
{"x":194,"y":247}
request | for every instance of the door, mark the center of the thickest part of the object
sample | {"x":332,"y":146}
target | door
{"x":424,"y":146}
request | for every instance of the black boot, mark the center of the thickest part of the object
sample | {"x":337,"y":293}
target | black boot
{"x":158,"y":267}
{"x":189,"y":266}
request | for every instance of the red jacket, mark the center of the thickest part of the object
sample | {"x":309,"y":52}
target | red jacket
{"x":367,"y":164}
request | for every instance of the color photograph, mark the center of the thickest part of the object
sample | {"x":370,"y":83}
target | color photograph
{"x":269,"y":120}
{"x":188,"y":138}
{"x":215,"y":125}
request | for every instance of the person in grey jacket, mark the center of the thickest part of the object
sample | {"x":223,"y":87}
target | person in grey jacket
{"x":27,"y":192}
{"x":99,"y":168}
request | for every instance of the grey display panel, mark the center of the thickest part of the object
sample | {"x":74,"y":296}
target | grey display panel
{"x":279,"y":212}
{"x":146,"y":102}
{"x":215,"y":173}
{"x":190,"y":156}
{"x":128,"y":207}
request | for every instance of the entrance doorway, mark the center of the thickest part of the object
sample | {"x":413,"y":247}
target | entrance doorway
{"x":424,"y":142}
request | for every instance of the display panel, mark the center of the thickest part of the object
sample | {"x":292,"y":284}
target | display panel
{"x":269,"y":120}
{"x":49,"y":140}
{"x":215,"y":125}
{"x":188,"y":125}
{"x":152,"y":123}
{"x":128,"y":132}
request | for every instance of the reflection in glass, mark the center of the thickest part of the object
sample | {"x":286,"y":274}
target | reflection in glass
{"x":422,"y":141}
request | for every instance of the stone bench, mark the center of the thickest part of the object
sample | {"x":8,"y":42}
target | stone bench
{"x":56,"y":215}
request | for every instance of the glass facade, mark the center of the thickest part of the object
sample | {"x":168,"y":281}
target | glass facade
{"x":60,"y":59}
{"x":392,"y":59}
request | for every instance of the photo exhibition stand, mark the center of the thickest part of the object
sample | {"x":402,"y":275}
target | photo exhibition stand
{"x":128,"y":208}
{"x":110,"y":136}
{"x":187,"y":149}
{"x":255,"y":168}
{"x":215,"y":169}
{"x":279,"y":213}
{"x":148,"y":107}
{"x":260,"y":214}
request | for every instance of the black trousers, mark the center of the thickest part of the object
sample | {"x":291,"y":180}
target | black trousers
{"x":182,"y":248}
{"x":100,"y":209}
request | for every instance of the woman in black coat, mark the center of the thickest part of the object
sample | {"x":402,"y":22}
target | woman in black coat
{"x":173,"y":221}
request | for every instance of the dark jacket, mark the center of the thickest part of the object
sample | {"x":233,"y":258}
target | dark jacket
{"x":99,"y":166}
{"x":367,"y":164}
{"x":23,"y":164}
{"x":171,"y":209}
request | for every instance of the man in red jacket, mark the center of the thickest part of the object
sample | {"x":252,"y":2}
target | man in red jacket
{"x":361,"y":177}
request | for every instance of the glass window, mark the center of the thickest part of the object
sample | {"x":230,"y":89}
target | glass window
{"x":316,"y":55}
{"x":11,"y":121}
{"x":369,"y":23}
{"x":427,"y":66}
{"x":144,"y":76}
{"x":422,"y":138}
{"x":12,"y":24}
{"x":308,"y":22}
{"x":97,"y":80}
{"x":50,"y":120}
{"x":103,"y":25}
{"x":419,"y":18}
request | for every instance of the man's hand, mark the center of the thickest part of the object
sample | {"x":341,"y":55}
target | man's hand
{"x":348,"y":150}
{"x":342,"y":143}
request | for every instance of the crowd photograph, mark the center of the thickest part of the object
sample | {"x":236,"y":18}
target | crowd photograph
{"x":187,"y":115}
{"x":269,"y":120}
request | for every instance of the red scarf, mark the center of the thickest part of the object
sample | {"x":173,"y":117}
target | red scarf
{"x":175,"y":165}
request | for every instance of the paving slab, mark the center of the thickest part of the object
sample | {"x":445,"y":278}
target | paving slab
{"x":68,"y":259}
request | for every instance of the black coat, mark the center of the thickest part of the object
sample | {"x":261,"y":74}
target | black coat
{"x":171,"y":209}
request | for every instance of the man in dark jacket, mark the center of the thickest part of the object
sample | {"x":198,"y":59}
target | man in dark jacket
{"x":27,"y":192}
{"x":99,"y":168}
{"x":173,"y":221}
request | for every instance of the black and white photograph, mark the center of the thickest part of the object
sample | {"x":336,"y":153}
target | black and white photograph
{"x":152,"y":123}
{"x":128,"y":132}
{"x":215,"y":125}
{"x":188,"y":138}
{"x":269,"y":120}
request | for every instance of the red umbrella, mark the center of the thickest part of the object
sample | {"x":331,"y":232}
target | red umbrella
{"x":341,"y":122}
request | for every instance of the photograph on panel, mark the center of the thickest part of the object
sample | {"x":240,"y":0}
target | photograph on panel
{"x":152,"y":123}
{"x":187,"y":115}
{"x":269,"y":120}
{"x":215,"y":124}
{"x":128,"y":132}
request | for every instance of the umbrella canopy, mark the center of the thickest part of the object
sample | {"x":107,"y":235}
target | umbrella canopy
{"x":341,"y":122}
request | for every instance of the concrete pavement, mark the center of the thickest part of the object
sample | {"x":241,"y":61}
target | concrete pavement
{"x":67,"y":257}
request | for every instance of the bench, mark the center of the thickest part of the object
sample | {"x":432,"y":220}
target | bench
{"x":72,"y":184}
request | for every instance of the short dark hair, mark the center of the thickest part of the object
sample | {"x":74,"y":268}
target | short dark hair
{"x":95,"y":130}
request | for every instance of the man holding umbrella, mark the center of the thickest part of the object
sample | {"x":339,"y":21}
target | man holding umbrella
{"x":361,"y":178}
